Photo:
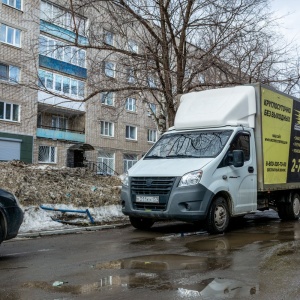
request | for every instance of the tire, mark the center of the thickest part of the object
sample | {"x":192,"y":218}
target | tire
{"x":1,"y":233}
{"x":141,"y":223}
{"x":293,"y":209}
{"x":290,"y":210}
{"x":218,"y":216}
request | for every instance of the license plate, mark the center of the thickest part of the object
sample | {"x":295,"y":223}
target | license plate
{"x":147,"y":199}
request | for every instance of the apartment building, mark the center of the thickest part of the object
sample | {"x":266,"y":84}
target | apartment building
{"x":18,"y":103}
{"x":41,"y":69}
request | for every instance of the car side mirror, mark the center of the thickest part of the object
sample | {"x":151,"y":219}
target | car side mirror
{"x":238,"y":158}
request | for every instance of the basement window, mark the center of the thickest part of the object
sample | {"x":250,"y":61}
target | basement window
{"x":47,"y":154}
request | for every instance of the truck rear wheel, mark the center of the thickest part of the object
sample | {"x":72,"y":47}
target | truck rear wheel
{"x":290,"y":210}
{"x":293,"y":207}
{"x":218,"y":216}
{"x":141,"y":223}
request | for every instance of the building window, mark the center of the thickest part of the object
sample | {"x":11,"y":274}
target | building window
{"x":9,"y":112}
{"x":9,"y":73}
{"x":10,"y":35}
{"x":152,"y":135}
{"x":130,"y":75}
{"x":152,"y":109}
{"x":61,"y":51}
{"x":131,"y":132}
{"x":132,"y":46}
{"x":106,"y":163}
{"x":13,"y":3}
{"x":151,"y":82}
{"x":129,"y":160}
{"x":59,"y":123}
{"x":109,"y":69}
{"x":61,"y":17}
{"x":107,"y":128}
{"x":61,"y":84}
{"x":108,"y":98}
{"x":131,"y":104}
{"x":47,"y":154}
{"x":108,"y":38}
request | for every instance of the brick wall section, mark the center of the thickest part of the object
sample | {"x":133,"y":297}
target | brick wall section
{"x":25,"y":59}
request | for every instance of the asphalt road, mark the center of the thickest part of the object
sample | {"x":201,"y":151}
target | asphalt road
{"x":257,"y":259}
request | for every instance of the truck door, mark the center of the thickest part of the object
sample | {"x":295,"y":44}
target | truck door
{"x":242,"y":181}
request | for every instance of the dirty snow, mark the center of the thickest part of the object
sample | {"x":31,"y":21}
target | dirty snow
{"x":37,"y":219}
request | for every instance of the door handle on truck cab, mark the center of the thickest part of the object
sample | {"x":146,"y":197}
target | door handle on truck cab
{"x":250,"y":169}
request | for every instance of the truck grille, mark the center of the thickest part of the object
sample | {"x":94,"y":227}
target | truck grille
{"x":158,"y":186}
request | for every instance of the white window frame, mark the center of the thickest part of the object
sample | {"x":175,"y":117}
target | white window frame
{"x":128,"y":132}
{"x":4,"y":34}
{"x":133,"y":46}
{"x":108,"y":38}
{"x":151,"y":82}
{"x":131,"y":75}
{"x":108,"y":159}
{"x":152,"y":135}
{"x":52,"y":153}
{"x":54,"y":14}
{"x":11,"y":69}
{"x":17,"y":4}
{"x":152,"y":109}
{"x":107,"y":128}
{"x":110,"y":101}
{"x":62,"y":51}
{"x":130,"y":104}
{"x":75,"y":87}
{"x":108,"y":68}
{"x":129,"y":160}
{"x":9,"y":111}
{"x":59,"y":122}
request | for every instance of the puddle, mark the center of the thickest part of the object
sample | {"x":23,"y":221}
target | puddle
{"x":165,"y":262}
{"x":218,"y":288}
{"x":213,"y":287}
{"x":237,"y":240}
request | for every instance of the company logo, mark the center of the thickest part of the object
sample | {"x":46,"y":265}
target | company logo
{"x":148,"y":182}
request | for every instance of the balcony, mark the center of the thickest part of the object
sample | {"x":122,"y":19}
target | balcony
{"x":49,"y":132}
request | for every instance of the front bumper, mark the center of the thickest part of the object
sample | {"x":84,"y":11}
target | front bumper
{"x":189,"y":204}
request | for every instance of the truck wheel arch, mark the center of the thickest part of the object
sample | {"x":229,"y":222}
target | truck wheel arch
{"x":228,"y":199}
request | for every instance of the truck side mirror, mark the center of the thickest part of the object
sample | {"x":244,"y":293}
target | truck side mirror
{"x":238,"y":158}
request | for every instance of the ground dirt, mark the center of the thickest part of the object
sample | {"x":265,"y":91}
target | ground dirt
{"x":36,"y":184}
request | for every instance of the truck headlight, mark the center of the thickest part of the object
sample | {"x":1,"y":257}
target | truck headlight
{"x":191,"y":178}
{"x":125,"y":179}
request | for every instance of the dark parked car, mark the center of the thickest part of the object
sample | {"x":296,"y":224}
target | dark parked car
{"x":11,"y":216}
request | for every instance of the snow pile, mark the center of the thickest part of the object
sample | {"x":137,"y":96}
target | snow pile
{"x":34,"y":185}
{"x":61,"y":188}
{"x":38,"y":219}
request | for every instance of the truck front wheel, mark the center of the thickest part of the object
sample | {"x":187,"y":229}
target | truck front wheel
{"x":141,"y":223}
{"x":218,"y":216}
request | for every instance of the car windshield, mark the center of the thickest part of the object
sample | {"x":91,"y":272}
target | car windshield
{"x":190,"y":144}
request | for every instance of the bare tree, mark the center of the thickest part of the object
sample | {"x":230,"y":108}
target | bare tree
{"x":164,"y":48}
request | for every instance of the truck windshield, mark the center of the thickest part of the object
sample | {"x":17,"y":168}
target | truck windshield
{"x":190,"y":144}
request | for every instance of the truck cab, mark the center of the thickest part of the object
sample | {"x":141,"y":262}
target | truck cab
{"x":203,"y":169}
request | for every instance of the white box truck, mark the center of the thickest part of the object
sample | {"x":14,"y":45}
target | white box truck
{"x":232,"y":151}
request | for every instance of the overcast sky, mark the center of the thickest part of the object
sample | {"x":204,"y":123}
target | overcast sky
{"x":291,"y":23}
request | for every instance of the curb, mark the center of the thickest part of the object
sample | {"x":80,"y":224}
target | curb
{"x":69,"y":230}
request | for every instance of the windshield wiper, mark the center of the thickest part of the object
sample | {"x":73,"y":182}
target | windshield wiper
{"x":180,"y":156}
{"x":155,"y":156}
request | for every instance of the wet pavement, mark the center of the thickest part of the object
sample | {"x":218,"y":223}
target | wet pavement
{"x":257,"y":259}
